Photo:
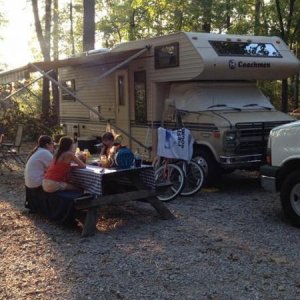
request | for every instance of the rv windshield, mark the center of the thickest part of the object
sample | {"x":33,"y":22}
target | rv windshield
{"x":196,"y":97}
{"x":228,"y":48}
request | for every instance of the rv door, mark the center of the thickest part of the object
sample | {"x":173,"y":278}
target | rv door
{"x":122,"y":104}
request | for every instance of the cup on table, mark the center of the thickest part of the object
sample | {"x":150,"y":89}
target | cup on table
{"x":103,"y":161}
{"x":137,"y":162}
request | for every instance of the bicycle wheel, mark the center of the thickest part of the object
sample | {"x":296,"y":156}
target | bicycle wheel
{"x":173,"y":176}
{"x":194,"y":177}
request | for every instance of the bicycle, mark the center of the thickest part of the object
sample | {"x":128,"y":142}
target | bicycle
{"x":194,"y":177}
{"x":169,"y":177}
{"x":190,"y":184}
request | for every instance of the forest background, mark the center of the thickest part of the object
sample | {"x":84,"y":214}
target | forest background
{"x":63,"y":28}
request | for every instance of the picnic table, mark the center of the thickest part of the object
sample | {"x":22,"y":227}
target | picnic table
{"x":114,"y":186}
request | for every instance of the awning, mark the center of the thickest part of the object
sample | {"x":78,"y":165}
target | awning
{"x":84,"y":60}
{"x":14,"y":75}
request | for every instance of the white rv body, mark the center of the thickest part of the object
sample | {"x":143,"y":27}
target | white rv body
{"x":214,"y":95}
{"x":205,"y":81}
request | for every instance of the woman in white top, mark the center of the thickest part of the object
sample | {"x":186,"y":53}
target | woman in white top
{"x":36,"y":166}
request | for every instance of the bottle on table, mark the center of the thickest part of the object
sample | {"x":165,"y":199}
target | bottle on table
{"x":77,"y":152}
{"x":137,"y":159}
{"x":87,"y":153}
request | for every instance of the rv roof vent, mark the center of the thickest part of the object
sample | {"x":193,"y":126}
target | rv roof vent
{"x":97,"y":51}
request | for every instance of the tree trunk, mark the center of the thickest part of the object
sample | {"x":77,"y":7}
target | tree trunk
{"x":296,"y":91}
{"x":88,"y":25}
{"x":284,"y":96}
{"x":54,"y":87}
{"x":72,"y":29}
{"x":47,"y":33}
{"x":131,"y":31}
{"x":257,"y":26}
{"x":207,"y":14}
{"x":55,"y":100}
{"x":46,"y":101}
{"x":39,"y":31}
{"x":228,"y":14}
{"x":285,"y":34}
{"x":55,"y":30}
{"x":44,"y":42}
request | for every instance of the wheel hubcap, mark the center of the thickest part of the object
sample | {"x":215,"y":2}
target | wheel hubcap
{"x":295,"y":199}
{"x":202,"y":162}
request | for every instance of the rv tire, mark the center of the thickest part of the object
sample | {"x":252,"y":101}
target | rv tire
{"x":208,"y":163}
{"x":290,"y":198}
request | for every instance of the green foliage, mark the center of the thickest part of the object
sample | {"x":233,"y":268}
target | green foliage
{"x":148,"y":18}
{"x":118,"y":21}
{"x":65,"y":34}
{"x":272,"y":89}
{"x":23,"y":108}
{"x":145,"y":18}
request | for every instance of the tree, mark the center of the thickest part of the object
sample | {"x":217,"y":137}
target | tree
{"x":257,"y":26}
{"x":288,"y":27}
{"x":49,"y":114}
{"x":3,"y":21}
{"x":144,"y":18}
{"x":88,"y":40}
{"x":55,"y":34}
{"x":44,"y":42}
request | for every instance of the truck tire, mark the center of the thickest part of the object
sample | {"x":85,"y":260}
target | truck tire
{"x":290,"y":198}
{"x":211,"y":168}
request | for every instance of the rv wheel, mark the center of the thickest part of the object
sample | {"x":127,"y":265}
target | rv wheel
{"x":208,"y":163}
{"x":290,"y":198}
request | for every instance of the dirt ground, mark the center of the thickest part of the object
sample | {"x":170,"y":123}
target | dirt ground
{"x":230,"y":242}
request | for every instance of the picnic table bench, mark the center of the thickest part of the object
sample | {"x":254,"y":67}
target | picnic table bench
{"x":113,"y":186}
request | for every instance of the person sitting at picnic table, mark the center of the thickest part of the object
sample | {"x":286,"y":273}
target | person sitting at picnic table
{"x":57,"y":175}
{"x":37,"y":163}
{"x":109,"y":150}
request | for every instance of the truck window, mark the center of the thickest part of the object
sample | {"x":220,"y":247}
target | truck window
{"x":70,"y":85}
{"x":228,"y":48}
{"x":140,"y":97}
{"x":166,"y":56}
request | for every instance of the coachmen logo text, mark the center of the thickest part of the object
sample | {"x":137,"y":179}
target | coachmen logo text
{"x":233,"y":64}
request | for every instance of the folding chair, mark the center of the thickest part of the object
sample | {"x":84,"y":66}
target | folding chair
{"x":17,"y":143}
{"x":11,"y":150}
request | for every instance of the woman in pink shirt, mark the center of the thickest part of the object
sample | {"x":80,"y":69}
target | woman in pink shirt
{"x":57,"y":175}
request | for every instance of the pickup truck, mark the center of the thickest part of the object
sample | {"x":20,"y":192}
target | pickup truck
{"x":282,"y":171}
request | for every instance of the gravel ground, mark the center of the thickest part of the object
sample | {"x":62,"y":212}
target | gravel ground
{"x":230,"y":242}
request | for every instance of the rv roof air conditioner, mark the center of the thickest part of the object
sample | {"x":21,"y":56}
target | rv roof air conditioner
{"x":97,"y":51}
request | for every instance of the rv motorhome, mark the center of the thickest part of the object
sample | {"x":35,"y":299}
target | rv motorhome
{"x":205,"y":82}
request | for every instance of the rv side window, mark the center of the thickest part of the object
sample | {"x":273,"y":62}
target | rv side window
{"x":70,"y":85}
{"x":228,"y":48}
{"x":166,"y":56}
{"x":140,"y":97}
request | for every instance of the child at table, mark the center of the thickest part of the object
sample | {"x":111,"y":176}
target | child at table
{"x":57,"y":175}
{"x":109,"y":150}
